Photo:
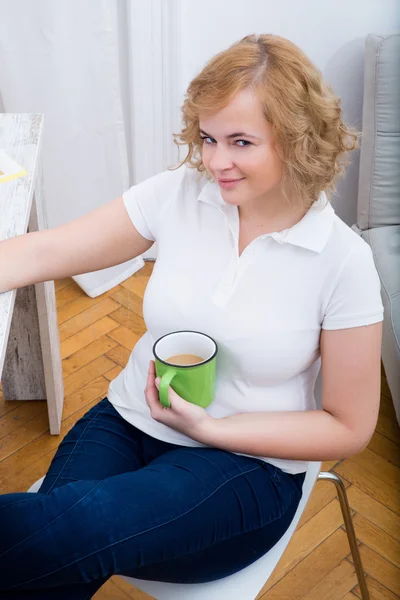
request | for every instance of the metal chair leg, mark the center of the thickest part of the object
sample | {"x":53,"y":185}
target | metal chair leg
{"x":351,"y":535}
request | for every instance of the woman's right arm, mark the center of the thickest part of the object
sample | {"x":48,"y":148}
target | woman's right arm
{"x":102,"y":238}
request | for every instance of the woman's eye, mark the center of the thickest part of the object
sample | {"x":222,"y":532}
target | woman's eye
{"x":240,"y":143}
{"x":207,"y":138}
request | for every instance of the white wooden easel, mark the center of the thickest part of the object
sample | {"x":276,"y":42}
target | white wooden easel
{"x":30,"y":358}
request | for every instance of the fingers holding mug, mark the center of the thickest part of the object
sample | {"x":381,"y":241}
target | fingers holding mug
{"x":150,"y":391}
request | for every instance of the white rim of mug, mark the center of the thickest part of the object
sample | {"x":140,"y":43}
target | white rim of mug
{"x":184,"y":366}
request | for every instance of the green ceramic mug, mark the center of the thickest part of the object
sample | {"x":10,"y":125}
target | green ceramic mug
{"x":186,"y":361}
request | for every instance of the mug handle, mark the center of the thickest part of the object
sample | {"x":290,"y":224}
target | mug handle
{"x":164,"y":384}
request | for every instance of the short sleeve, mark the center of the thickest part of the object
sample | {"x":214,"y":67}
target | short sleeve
{"x":147,"y":201}
{"x":356,"y":297}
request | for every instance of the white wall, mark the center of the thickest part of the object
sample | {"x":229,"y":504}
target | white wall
{"x":331,"y":32}
{"x":319,"y":28}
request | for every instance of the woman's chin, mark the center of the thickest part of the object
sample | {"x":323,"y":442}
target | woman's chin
{"x":232,"y":201}
{"x":229,"y":197}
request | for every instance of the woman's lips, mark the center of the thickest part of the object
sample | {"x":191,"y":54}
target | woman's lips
{"x":229,"y":183}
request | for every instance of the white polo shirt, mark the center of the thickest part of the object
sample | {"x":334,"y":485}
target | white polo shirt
{"x":265,"y":309}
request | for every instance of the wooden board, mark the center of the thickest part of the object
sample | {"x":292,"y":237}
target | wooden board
{"x":30,"y":359}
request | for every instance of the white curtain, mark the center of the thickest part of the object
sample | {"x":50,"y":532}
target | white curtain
{"x":69,"y":59}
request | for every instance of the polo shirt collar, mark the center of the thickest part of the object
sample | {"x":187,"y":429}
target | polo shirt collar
{"x":311,"y":232}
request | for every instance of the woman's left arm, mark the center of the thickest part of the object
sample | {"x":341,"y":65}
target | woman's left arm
{"x":351,"y":376}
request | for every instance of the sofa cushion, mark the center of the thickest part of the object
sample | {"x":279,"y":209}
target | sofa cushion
{"x":379,"y":179}
{"x":385,"y":245}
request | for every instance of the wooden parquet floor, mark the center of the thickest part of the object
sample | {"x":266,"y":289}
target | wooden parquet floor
{"x":97,"y":336}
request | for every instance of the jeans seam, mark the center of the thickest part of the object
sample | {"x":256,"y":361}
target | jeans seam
{"x":237,"y":534}
{"x":203,"y":456}
{"x":98,"y":550}
{"x":116,"y":450}
{"x":16,"y":502}
{"x":51,"y":522}
{"x":75,"y":445}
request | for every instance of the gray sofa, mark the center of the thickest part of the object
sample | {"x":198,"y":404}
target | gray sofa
{"x":378,"y":209}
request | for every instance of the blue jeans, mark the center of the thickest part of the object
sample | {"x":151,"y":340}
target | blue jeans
{"x":117,"y":501}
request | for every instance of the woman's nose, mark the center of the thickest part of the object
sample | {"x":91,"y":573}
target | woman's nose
{"x":220,"y":159}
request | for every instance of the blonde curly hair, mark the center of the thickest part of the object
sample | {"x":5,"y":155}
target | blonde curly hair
{"x":303,"y":111}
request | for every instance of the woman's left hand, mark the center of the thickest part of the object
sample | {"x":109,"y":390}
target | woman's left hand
{"x":183,"y":416}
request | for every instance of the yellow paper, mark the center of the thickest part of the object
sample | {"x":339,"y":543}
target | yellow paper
{"x":9,"y":169}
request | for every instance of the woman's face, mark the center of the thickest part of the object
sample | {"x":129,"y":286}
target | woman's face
{"x":239,"y":152}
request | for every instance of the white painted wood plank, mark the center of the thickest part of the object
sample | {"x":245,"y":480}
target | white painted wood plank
{"x":29,"y":341}
{"x":47,"y":318}
{"x":20,"y":137}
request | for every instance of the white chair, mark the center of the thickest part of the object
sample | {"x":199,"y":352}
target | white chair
{"x":246,"y":584}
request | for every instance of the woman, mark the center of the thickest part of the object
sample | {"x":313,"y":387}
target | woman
{"x":251,"y":253}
